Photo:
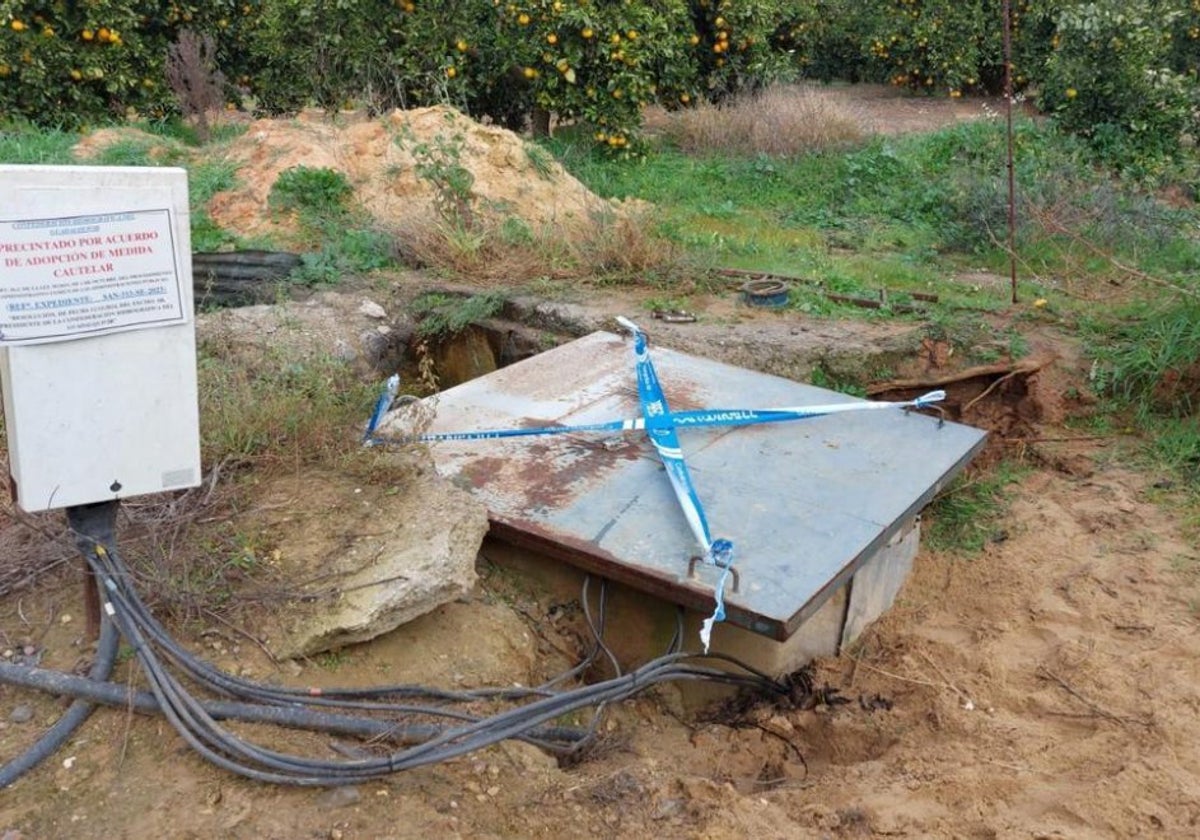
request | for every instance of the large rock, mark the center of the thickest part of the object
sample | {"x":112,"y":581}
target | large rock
{"x":347,"y":325}
{"x":367,"y":559}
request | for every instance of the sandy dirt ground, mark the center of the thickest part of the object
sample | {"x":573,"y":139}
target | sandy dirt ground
{"x":1046,"y":687}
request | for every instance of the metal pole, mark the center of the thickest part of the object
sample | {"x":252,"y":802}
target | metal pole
{"x":1012,"y":181}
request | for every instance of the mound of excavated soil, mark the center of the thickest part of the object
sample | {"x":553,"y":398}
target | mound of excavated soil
{"x":379,"y":157}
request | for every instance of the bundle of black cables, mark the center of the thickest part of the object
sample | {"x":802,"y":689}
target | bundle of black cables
{"x":385,"y":713}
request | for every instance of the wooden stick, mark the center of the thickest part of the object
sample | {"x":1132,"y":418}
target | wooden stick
{"x":1096,"y":709}
{"x":995,"y":384}
{"x":1021,"y":367}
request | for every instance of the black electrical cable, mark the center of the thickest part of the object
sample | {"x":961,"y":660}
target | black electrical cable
{"x":197,"y":721}
{"x":95,"y":525}
{"x":75,"y":715}
{"x":118,"y":695}
{"x":221,"y":747}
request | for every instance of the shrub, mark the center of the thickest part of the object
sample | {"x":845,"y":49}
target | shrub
{"x":192,"y":73}
{"x":1108,"y":79}
{"x":317,"y":191}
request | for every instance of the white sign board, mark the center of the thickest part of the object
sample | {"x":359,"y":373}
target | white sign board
{"x":76,"y":276}
{"x":98,"y":358}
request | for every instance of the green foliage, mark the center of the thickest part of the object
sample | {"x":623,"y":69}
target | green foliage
{"x":73,"y":64}
{"x":970,"y":513}
{"x":1152,"y":362}
{"x":22,"y":142}
{"x":352,"y":52}
{"x":953,"y":46}
{"x":596,"y":62}
{"x":315,"y":192}
{"x":319,"y":197}
{"x":825,"y":39}
{"x":439,"y":163}
{"x":1108,"y":78}
{"x":442,"y":315}
{"x":1149,"y":366}
{"x":1121,"y":74}
{"x":344,"y":251}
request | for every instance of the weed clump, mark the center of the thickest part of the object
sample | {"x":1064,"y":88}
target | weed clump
{"x":1150,"y":368}
{"x":314,"y":192}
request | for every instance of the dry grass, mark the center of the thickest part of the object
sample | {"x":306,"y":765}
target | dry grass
{"x":201,"y":554}
{"x":782,"y":120}
{"x":614,"y":246}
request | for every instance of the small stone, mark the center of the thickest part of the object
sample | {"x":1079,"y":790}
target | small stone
{"x":8,"y":653}
{"x":338,"y":797}
{"x":335,"y":834}
{"x":493,"y":790}
{"x":21,"y":714}
{"x":65,"y":618}
{"x":371,"y":309}
{"x":29,"y":650}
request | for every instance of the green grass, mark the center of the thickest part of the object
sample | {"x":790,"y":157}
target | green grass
{"x":1147,"y":366}
{"x":970,"y":513}
{"x":904,"y":213}
{"x":321,"y":199}
{"x":21,"y":143}
{"x":278,"y":410}
{"x":442,"y":315}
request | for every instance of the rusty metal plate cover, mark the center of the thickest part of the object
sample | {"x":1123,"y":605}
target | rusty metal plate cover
{"x":805,"y":502}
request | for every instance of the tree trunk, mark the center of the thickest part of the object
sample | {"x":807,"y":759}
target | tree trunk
{"x":540,"y":122}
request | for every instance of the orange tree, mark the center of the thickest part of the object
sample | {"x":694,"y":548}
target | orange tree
{"x":599,"y":62}
{"x":824,"y":39}
{"x":952,"y":46}
{"x":377,"y":53}
{"x":70,"y":63}
{"x":1109,"y":77}
{"x":738,"y":40}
